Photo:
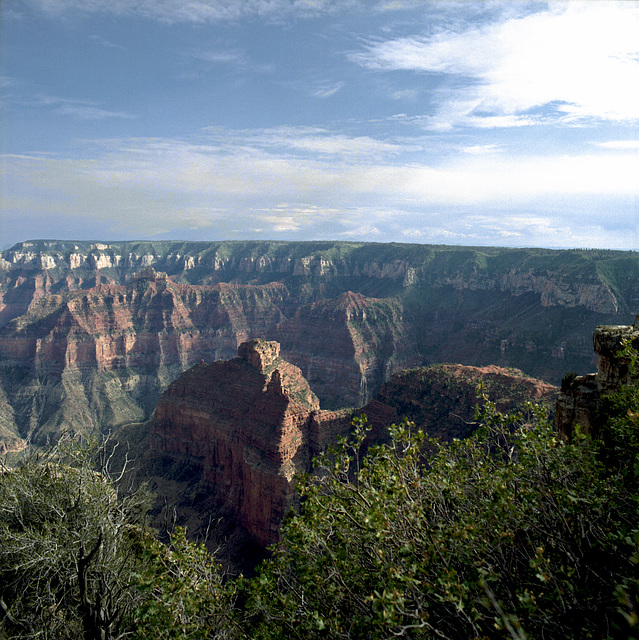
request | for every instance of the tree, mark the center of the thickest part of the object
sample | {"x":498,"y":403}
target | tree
{"x":78,"y":560}
{"x":69,"y":546}
{"x":512,"y":533}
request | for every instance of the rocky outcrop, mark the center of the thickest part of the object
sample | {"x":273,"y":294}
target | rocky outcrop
{"x":441,"y":399}
{"x":247,"y":424}
{"x":580,"y":395}
{"x":91,"y":333}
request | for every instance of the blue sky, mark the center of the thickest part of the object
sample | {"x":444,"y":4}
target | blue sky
{"x":475,"y":123}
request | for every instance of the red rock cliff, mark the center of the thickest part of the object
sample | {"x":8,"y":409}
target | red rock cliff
{"x":247,"y":423}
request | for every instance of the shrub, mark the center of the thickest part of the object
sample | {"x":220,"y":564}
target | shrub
{"x":510,"y":533}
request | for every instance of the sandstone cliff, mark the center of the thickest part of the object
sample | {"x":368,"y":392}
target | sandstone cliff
{"x":246,"y":423}
{"x":245,"y":427}
{"x":91,"y":333}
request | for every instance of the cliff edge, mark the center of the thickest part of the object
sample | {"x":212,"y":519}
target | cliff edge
{"x":250,"y":425}
{"x":579,"y":397}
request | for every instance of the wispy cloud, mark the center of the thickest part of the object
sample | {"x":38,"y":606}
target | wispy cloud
{"x":235,"y":183}
{"x":83,"y":109}
{"x":624,"y":145}
{"x":88,"y":112}
{"x":103,"y":42}
{"x":311,"y":142}
{"x":195,"y":11}
{"x":482,"y":149}
{"x":233,"y":57}
{"x":576,"y":60}
{"x":327,"y":90}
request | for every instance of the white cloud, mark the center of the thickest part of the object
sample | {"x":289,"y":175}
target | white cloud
{"x":309,"y":141}
{"x":405,"y":94}
{"x":580,"y":58}
{"x":151,"y":185}
{"x":328,"y":90}
{"x":194,"y":11}
{"x":221,"y":56}
{"x":83,"y":109}
{"x":624,"y":145}
{"x":482,"y":149}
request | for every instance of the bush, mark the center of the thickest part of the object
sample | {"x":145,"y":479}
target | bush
{"x":567,"y":380}
{"x":68,"y":547}
{"x":77,"y":561}
{"x":511,"y":533}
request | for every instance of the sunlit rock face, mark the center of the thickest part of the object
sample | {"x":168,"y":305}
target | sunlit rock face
{"x":250,"y":424}
{"x":247,"y":423}
{"x":91,"y":333}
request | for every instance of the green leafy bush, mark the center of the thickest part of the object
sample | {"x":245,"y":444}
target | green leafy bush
{"x":77,"y":561}
{"x":69,"y":545}
{"x":511,"y":533}
{"x":185,"y":594}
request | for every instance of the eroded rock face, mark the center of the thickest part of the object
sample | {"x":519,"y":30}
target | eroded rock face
{"x":441,"y":399}
{"x":579,"y":398}
{"x":347,"y":347}
{"x":91,"y":333}
{"x":247,"y":423}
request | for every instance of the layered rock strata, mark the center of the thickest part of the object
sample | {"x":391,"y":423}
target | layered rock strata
{"x":251,"y":424}
{"x":92,"y":333}
{"x":580,"y":395}
{"x":363,"y":341}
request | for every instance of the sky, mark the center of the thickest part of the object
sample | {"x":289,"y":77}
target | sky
{"x":464,"y":123}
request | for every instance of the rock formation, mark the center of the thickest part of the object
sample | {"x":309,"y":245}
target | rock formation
{"x":363,"y":341}
{"x":247,"y":424}
{"x":441,"y":399}
{"x":579,"y":398}
{"x":92,"y":333}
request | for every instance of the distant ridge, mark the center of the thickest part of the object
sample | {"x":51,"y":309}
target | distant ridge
{"x":92,"y":332}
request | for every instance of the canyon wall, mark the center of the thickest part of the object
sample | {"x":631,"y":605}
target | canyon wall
{"x":92,"y":333}
{"x":245,"y":428}
{"x":246,"y":423}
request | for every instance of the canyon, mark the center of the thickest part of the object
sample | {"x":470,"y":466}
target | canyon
{"x":245,"y":428}
{"x":92,"y":333}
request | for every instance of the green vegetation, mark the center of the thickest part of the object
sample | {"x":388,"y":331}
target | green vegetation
{"x":78,"y":561}
{"x":511,"y":533}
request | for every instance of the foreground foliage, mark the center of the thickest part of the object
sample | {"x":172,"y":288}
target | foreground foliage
{"x":511,"y":533}
{"x":77,"y":561}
